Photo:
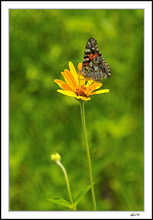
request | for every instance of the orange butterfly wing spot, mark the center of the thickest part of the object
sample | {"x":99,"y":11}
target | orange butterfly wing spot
{"x":92,"y":56}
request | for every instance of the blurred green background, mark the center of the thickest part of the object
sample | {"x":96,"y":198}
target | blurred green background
{"x":43,"y":121}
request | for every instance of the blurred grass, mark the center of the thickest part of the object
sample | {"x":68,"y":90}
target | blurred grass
{"x":43,"y":122}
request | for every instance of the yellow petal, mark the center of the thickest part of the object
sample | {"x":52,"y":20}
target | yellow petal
{"x":95,"y":86}
{"x":90,"y":82}
{"x":100,"y":91}
{"x":81,"y":79}
{"x":80,"y":67}
{"x":73,"y":71}
{"x":62,"y":84}
{"x":66,"y":92}
{"x":69,"y":79}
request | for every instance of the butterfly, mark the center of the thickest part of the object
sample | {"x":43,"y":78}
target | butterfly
{"x":94,"y":66}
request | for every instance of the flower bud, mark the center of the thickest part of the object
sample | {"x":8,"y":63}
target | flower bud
{"x":55,"y":157}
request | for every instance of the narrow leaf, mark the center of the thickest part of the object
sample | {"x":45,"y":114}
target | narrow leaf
{"x":80,"y":195}
{"x":61,"y":201}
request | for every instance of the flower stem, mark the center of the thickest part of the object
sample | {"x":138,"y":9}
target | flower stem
{"x":88,"y":153}
{"x":67,"y":183}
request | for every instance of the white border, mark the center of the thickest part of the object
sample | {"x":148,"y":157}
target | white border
{"x":147,"y":5}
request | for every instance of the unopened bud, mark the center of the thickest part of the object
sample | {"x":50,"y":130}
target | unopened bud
{"x":55,"y":157}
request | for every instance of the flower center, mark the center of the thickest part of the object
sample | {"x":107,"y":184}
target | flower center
{"x":81,"y":91}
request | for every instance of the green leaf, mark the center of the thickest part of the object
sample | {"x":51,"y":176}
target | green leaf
{"x":83,"y":191}
{"x":61,"y":201}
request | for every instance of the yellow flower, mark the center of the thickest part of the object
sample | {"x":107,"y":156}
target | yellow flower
{"x":76,"y":85}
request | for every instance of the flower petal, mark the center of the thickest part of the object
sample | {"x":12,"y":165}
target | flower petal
{"x":95,"y":86}
{"x":66,"y":92}
{"x":100,"y":91}
{"x":73,"y":71}
{"x":90,"y":82}
{"x":80,"y":67}
{"x":69,"y":79}
{"x":81,"y":79}
{"x":62,"y":84}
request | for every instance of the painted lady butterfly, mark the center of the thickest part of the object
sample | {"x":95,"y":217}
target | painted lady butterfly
{"x":94,"y":66}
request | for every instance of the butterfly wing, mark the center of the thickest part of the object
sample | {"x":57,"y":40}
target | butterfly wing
{"x":94,"y":66}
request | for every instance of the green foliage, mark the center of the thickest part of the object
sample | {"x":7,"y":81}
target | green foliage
{"x":81,"y":194}
{"x":65,"y":203}
{"x":61,"y":201}
{"x":43,"y":121}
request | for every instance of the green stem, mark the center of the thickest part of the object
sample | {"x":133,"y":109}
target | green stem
{"x":88,"y":153}
{"x":67,"y":183}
